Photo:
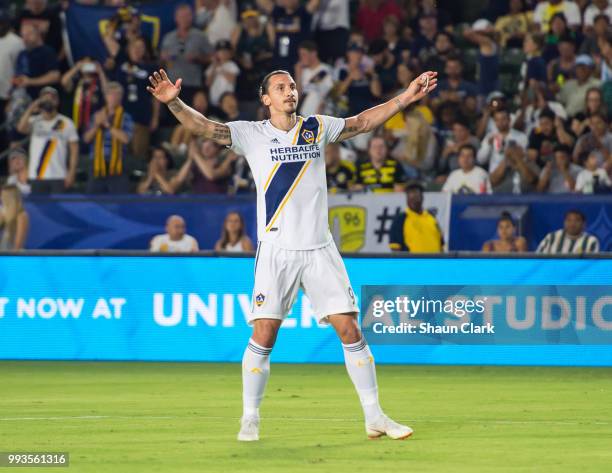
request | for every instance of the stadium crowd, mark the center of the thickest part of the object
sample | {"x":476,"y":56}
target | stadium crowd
{"x":521,"y":107}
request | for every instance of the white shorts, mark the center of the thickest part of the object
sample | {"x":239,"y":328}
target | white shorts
{"x":321,"y":274}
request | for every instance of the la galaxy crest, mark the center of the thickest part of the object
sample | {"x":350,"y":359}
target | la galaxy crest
{"x":308,"y":136}
{"x":259,"y":299}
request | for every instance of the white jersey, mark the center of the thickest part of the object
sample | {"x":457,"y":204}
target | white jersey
{"x":289,"y":172}
{"x":163,"y":244}
{"x":49,"y":150}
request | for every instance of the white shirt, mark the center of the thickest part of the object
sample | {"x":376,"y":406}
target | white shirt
{"x":49,"y":153}
{"x":544,"y":11}
{"x":163,"y":244}
{"x":220,"y":84}
{"x":317,"y":82}
{"x":585,"y":182}
{"x":332,"y":14}
{"x":289,"y":173}
{"x":493,"y":147}
{"x":475,"y":181}
{"x":221,"y":25}
{"x":25,"y":189}
{"x":592,"y":11}
{"x":10,"y":47}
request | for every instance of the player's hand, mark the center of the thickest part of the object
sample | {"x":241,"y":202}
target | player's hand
{"x":162,"y":88}
{"x":422,"y":85}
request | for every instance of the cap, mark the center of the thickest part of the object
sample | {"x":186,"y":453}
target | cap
{"x":15,"y":152}
{"x":249,"y":13}
{"x":496,"y":95}
{"x":481,"y":25}
{"x":356,"y":47}
{"x":48,"y":90}
{"x":223,"y":44}
{"x":584,"y":60}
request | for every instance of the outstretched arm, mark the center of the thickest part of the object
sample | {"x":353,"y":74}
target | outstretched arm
{"x":373,"y":117}
{"x":167,"y":92}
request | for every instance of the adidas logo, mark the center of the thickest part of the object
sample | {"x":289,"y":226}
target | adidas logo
{"x":275,"y":141}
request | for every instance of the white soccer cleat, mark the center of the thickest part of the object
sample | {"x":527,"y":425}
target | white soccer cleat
{"x":385,"y":426}
{"x":249,"y":429}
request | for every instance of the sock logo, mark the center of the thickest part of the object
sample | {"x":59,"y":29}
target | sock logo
{"x":368,"y":361}
{"x":259,"y":299}
{"x":256,"y":370}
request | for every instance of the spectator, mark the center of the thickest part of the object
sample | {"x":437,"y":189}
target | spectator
{"x":229,"y":110}
{"x":545,"y":11}
{"x":593,"y":104}
{"x":289,"y":25}
{"x":595,"y":9}
{"x":563,"y":68}
{"x":469,"y":178}
{"x":493,"y":148}
{"x":593,"y":34}
{"x":54,"y":144}
{"x":109,"y":135}
{"x":513,"y":27}
{"x":533,"y":69}
{"x":313,"y":78}
{"x":206,"y":168}
{"x":10,"y":47}
{"x":559,"y":174}
{"x":18,"y":171}
{"x":233,"y":236}
{"x":533,"y":104}
{"x":392,"y":35}
{"x":434,"y":59}
{"x":508,"y":241}
{"x":133,"y":75}
{"x":424,"y":42}
{"x":515,"y":173}
{"x":359,"y":85}
{"x":88,"y":94}
{"x":573,"y":92}
{"x":175,"y":240}
{"x":124,"y":27}
{"x":14,"y":220}
{"x":44,"y":19}
{"x":593,"y":179}
{"x":598,"y":140}
{"x":371,"y":16}
{"x":340,"y":173}
{"x":380,"y":173}
{"x":222,"y":73}
{"x":559,"y":30}
{"x":158,"y":180}
{"x":454,"y":88}
{"x":543,"y":139}
{"x":220,"y":20}
{"x":37,"y":64}
{"x":253,"y":49}
{"x":185,"y":51}
{"x":496,"y":100}
{"x":482,"y":34}
{"x":450,"y":154}
{"x":181,"y":136}
{"x":332,"y":25}
{"x":385,"y":65}
{"x":415,"y":230}
{"x":572,"y":239}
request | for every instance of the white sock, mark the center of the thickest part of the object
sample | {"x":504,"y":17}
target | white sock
{"x":360,"y":366}
{"x":255,"y":373}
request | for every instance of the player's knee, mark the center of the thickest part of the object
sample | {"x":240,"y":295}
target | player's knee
{"x":265,"y":332}
{"x":349,"y":332}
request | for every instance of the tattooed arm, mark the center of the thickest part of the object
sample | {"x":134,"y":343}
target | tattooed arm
{"x":167,"y":92}
{"x":373,"y":117}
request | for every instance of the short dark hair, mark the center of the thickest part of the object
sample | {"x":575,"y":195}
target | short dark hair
{"x":576,"y":212}
{"x":415,"y":185}
{"x":507,"y":217}
{"x":472,"y":148}
{"x":560,"y":148}
{"x":547,"y":113}
{"x":263,"y":88}
{"x":308,"y":45}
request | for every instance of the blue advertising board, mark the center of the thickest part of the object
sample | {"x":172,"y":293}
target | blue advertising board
{"x":193,"y":308}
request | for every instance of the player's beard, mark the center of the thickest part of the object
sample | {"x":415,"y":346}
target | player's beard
{"x":291,"y":107}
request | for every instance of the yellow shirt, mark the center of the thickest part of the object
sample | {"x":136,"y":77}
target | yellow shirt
{"x":417,"y":233}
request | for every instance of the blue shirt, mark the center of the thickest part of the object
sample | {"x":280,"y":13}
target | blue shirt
{"x":36,"y":62}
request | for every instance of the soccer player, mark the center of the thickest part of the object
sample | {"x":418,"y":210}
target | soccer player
{"x":286,"y":156}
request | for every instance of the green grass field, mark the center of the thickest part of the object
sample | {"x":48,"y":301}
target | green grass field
{"x":168,"y":417}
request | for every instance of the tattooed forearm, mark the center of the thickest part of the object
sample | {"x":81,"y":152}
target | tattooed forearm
{"x":176,"y":106}
{"x":400,"y":105}
{"x":220,"y":132}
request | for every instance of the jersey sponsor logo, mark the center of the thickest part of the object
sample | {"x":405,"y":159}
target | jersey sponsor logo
{"x":295,"y":153}
{"x":259,"y":299}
